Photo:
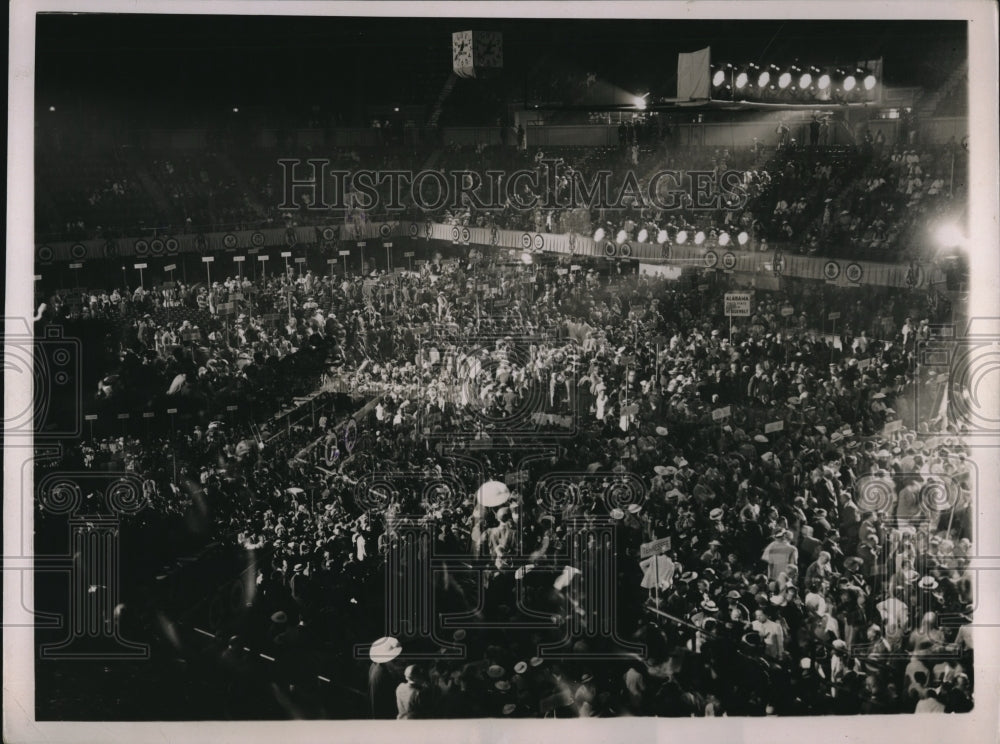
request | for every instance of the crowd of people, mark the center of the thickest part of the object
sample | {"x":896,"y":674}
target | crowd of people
{"x":811,"y":501}
{"x":874,"y":200}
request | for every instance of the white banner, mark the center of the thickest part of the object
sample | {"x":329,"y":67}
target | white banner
{"x":461,"y":54}
{"x":667,"y":271}
{"x":693,"y":74}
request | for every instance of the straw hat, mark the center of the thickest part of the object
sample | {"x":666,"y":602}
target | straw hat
{"x":385,"y":649}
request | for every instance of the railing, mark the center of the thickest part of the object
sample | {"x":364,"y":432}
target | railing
{"x":730,"y":258}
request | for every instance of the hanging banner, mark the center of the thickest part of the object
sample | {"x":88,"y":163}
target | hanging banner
{"x":747,"y":262}
{"x":462,"y":61}
{"x":666,"y":271}
{"x":476,"y":53}
{"x":693,"y":74}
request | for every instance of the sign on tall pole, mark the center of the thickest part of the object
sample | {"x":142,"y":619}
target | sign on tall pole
{"x":361,"y":245}
{"x":286,"y":255}
{"x":737,"y":304}
{"x":207,"y":260}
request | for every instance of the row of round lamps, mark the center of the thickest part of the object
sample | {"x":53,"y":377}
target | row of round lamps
{"x":681,"y":238}
{"x":785,"y":79}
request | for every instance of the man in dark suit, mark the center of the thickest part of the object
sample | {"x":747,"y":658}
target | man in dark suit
{"x":808,"y":546}
{"x":383,"y":678}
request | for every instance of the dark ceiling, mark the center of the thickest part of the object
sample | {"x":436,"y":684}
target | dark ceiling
{"x":193,"y":61}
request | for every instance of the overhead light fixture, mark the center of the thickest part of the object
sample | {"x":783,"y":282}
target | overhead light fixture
{"x":824,"y":82}
{"x":849,"y":83}
{"x":763,"y":79}
{"x":805,"y":80}
{"x":682,"y":237}
{"x":743,"y":238}
{"x":661,"y":237}
{"x":724,"y":238}
{"x":741,"y":80}
{"x":621,"y":237}
{"x":869,"y":82}
{"x":785,"y":80}
{"x":699,"y":238}
{"x":599,"y":234}
{"x":643,"y":235}
{"x":719,"y":78}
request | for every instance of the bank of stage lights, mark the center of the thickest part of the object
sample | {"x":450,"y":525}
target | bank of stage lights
{"x":681,"y":238}
{"x":752,"y":81}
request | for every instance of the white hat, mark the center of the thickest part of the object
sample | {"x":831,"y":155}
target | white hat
{"x":385,"y":649}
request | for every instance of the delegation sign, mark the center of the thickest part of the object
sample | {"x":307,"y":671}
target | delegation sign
{"x":738,"y":304}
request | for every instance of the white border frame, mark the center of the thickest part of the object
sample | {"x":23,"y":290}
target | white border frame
{"x":980,"y":726}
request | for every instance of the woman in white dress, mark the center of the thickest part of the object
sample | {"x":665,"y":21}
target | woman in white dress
{"x":602,"y":400}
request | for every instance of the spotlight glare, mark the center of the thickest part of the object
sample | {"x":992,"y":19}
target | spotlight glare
{"x":718,"y":78}
{"x":741,"y":80}
{"x":805,"y":80}
{"x":643,"y":234}
{"x":640,"y":103}
{"x":949,"y":235}
{"x":743,"y":238}
{"x":764,"y":79}
{"x":599,"y":234}
{"x":869,"y":82}
{"x":823,"y":82}
{"x":784,"y":80}
{"x":661,"y":237}
{"x":682,"y":237}
{"x":621,"y":236}
{"x":849,"y":83}
{"x":526,"y":258}
{"x":699,"y":238}
{"x":724,"y":238}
